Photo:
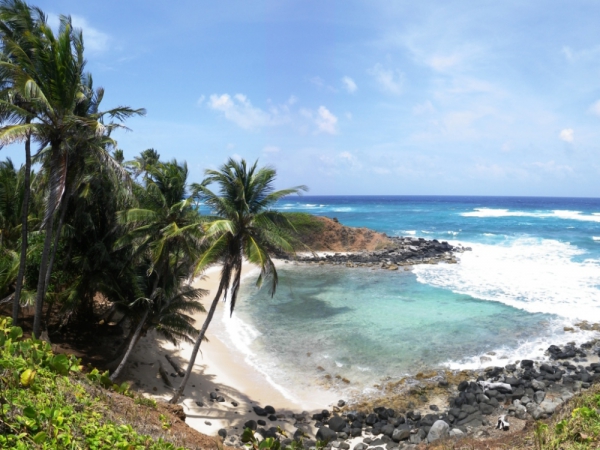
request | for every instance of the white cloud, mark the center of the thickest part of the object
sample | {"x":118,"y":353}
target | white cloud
{"x":389,"y":80}
{"x":94,"y":40}
{"x":271,"y":149}
{"x":441,"y":63}
{"x":201,"y":100}
{"x":292,"y":100}
{"x":326,"y":121}
{"x":240,"y":111}
{"x":567,"y":135}
{"x":349,"y":85}
{"x":595,"y":108}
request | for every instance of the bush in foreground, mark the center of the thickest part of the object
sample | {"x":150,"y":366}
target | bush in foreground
{"x":47,"y":403}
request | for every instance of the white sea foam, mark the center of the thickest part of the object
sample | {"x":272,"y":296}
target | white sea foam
{"x":411,"y":232}
{"x":453,"y":233}
{"x":531,"y":349}
{"x":344,"y":209}
{"x":489,"y":234}
{"x":557,"y":214}
{"x":538,"y":276}
{"x":596,"y":238}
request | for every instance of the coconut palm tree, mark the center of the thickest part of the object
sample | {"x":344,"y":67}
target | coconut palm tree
{"x":245,"y":226}
{"x":166,"y":235}
{"x":51,"y":78}
{"x":17,"y":20}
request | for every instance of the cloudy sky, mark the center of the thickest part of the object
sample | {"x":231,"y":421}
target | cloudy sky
{"x":359,"y":97}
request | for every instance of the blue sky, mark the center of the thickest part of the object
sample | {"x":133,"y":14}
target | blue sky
{"x":359,"y":97}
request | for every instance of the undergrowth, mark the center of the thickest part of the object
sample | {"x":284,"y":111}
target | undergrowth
{"x":47,"y":403}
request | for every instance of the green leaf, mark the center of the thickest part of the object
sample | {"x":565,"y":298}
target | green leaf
{"x":247,"y":436}
{"x":15,"y":333}
{"x":29,"y":412}
{"x":61,"y":364}
{"x":40,"y":437}
{"x":27,"y":377}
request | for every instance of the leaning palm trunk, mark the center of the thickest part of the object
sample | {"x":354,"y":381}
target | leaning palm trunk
{"x":24,"y":215}
{"x":41,"y":286}
{"x":199,"y":339}
{"x":59,"y":226}
{"x":132,"y":343}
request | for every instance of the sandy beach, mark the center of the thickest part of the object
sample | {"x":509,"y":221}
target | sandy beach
{"x":219,"y":368}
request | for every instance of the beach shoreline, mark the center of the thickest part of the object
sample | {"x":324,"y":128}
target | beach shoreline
{"x":222,"y":370}
{"x":219,"y":369}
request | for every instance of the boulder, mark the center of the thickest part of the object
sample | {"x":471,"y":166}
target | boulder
{"x":371,"y":419}
{"x":538,"y":385}
{"x":400,"y":434}
{"x":326,"y":434}
{"x":251,"y":424}
{"x":456,"y":432}
{"x":387,"y":430}
{"x":269,"y":409}
{"x":520,"y":412}
{"x":260,"y":411}
{"x":222,"y":432}
{"x":486,"y":409}
{"x":336,"y":423}
{"x":539,"y":397}
{"x":548,"y":407}
{"x":439,"y":430}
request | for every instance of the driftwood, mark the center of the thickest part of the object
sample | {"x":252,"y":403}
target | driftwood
{"x":176,"y":366}
{"x":164,"y":375}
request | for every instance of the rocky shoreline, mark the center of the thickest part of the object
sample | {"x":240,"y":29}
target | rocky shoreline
{"x":528,"y":390}
{"x":401,"y":251}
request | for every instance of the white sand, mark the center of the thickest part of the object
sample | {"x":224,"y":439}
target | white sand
{"x":218,"y":368}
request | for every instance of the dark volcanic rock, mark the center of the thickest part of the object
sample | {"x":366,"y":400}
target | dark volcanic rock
{"x":260,"y":411}
{"x":326,"y":434}
{"x":336,"y":423}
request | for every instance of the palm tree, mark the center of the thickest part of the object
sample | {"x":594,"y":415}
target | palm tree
{"x":244,"y":227}
{"x":50,"y":77}
{"x":165,"y":234}
{"x":11,"y":199}
{"x":17,"y":20}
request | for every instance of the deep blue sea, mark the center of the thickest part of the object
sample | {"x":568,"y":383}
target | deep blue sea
{"x":534,"y":268}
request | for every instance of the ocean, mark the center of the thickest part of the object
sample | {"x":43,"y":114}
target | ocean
{"x":534,"y":269}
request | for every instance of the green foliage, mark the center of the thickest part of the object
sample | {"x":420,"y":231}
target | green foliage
{"x":45,"y":404}
{"x":577,"y":427}
{"x":150,"y":402}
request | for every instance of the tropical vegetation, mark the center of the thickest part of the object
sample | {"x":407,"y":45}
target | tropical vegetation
{"x":87,"y":237}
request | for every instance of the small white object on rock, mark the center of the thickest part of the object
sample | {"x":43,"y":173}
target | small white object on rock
{"x":502,"y":423}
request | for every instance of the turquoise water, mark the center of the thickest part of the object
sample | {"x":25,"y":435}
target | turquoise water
{"x":534,"y":268}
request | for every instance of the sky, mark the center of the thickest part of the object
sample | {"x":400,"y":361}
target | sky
{"x":358,"y":97}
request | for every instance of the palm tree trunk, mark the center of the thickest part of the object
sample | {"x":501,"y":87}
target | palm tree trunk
{"x":132,"y":343}
{"x":61,"y":221}
{"x":24,"y":215}
{"x":41,"y":288}
{"x":199,"y":339}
